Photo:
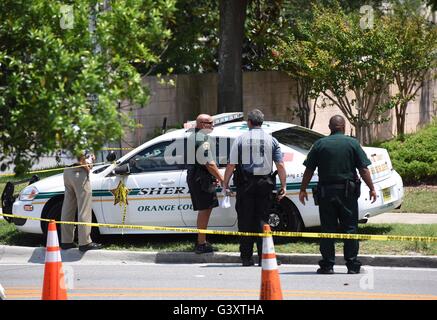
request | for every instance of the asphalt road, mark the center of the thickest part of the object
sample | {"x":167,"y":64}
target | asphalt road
{"x":150,"y":281}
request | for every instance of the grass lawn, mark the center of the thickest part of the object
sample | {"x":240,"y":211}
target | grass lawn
{"x":184,"y":243}
{"x":422,"y":199}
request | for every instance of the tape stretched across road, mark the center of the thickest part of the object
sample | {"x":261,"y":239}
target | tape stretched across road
{"x":54,"y":169}
{"x":116,"y":149}
{"x":247,"y":234}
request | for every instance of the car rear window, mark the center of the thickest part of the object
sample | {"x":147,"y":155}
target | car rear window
{"x":299,"y":137}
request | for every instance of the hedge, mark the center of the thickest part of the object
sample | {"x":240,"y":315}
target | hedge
{"x":415,"y":158}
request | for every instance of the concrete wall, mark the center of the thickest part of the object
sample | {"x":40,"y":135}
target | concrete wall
{"x":271,"y":91}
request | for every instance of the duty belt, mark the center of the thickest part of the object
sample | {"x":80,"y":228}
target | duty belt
{"x":333,"y":186}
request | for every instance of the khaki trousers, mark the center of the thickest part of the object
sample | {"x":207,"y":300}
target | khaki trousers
{"x":78,"y":196}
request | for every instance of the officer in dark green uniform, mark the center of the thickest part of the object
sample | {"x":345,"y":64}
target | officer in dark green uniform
{"x":202,"y":178}
{"x":337,"y":157}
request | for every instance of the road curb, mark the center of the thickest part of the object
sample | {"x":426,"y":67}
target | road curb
{"x":20,"y":255}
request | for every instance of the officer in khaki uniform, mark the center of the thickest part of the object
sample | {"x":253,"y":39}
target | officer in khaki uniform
{"x":78,"y":196}
{"x":337,"y":157}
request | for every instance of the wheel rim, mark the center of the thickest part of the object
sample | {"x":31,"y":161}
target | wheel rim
{"x":280,"y":219}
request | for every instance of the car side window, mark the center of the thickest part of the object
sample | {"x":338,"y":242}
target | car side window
{"x":154,"y":158}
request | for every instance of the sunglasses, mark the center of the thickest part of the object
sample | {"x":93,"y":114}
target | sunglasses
{"x":208,"y":122}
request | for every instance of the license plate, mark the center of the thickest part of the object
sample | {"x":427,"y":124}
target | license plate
{"x":386,"y":194}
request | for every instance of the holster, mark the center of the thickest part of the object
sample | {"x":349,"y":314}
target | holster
{"x":352,"y":188}
{"x":316,"y":195}
{"x":240,"y":178}
{"x":205,"y":179}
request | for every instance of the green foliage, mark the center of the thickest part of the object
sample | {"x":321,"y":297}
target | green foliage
{"x":49,"y":73}
{"x":415,"y":158}
{"x":342,"y":58}
{"x":414,"y":42}
{"x":194,"y":42}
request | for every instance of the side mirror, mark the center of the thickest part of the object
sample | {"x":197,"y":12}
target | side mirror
{"x":124,"y":169}
{"x":111,"y":156}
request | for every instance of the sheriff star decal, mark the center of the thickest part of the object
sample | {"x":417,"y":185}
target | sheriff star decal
{"x":120,"y":194}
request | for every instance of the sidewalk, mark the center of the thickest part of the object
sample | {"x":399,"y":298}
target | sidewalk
{"x":28,"y":255}
{"x":406,"y":218}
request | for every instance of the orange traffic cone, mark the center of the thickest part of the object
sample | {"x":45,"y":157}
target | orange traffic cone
{"x":270,"y":284}
{"x":54,"y":284}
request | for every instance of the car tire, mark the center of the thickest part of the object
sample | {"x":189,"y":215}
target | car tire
{"x":284,"y":216}
{"x":53,"y":213}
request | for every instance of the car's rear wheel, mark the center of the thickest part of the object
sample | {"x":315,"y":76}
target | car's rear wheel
{"x":284,"y":216}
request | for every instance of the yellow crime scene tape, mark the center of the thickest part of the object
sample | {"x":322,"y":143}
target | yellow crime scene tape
{"x":51,"y":170}
{"x":246,"y":234}
{"x":115,"y":149}
{"x":62,"y":168}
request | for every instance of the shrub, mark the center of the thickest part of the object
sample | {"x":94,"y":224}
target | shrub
{"x":415,"y":158}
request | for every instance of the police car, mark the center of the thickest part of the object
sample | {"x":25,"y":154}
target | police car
{"x":155,"y":175}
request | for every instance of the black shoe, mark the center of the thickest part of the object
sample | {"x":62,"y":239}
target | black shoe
{"x":248,"y":262}
{"x":350,"y":271}
{"x":90,"y":246}
{"x":325,"y":271}
{"x":203,"y":248}
{"x":66,"y":246}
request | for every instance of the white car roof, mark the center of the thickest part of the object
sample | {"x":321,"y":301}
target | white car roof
{"x":227,"y":130}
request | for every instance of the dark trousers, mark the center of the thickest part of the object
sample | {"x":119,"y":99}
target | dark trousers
{"x":338,"y":211}
{"x":252,"y":203}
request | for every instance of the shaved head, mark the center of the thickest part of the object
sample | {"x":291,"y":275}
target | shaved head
{"x":202,"y":118}
{"x":205,"y":122}
{"x":337,"y":123}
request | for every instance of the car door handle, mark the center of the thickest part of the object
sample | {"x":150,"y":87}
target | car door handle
{"x":166,"y":182}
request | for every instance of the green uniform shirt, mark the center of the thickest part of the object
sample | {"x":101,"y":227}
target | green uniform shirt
{"x":337,"y":157}
{"x":203,"y":152}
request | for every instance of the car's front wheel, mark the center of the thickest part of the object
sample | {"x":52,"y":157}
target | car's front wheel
{"x":53,"y":213}
{"x":284,"y":216}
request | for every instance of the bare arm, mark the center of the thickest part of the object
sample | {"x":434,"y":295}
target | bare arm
{"x":365,"y":175}
{"x":228,"y":174}
{"x":308,"y":174}
{"x":212,"y":168}
{"x":283,"y":178}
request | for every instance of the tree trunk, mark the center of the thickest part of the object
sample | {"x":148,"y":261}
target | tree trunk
{"x":359,"y":130}
{"x":400,"y":120}
{"x":302,"y":90}
{"x":230,"y":75}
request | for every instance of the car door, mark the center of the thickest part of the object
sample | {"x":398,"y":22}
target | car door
{"x":154,"y":190}
{"x":220,"y":217}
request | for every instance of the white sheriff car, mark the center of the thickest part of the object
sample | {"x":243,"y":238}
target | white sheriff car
{"x":159,"y":195}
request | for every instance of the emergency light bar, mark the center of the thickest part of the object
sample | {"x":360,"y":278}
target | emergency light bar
{"x":218,"y":119}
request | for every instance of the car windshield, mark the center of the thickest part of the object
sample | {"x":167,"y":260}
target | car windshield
{"x":299,"y":137}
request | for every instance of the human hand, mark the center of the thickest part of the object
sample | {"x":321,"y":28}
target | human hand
{"x":372,"y":195}
{"x":303,"y":195}
{"x":227,"y":190}
{"x":282,"y":192}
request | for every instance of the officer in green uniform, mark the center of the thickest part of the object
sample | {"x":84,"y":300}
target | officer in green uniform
{"x":202,"y":178}
{"x":337,"y":157}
